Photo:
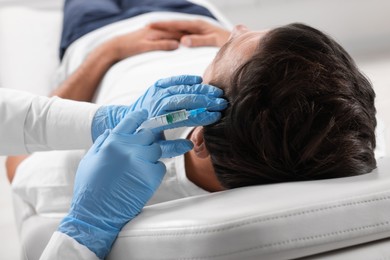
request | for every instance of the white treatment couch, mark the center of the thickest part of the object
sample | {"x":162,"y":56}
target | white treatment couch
{"x":283,"y":221}
{"x":347,"y":218}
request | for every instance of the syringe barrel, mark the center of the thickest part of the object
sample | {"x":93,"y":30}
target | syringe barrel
{"x":164,"y":120}
{"x":154,"y":122}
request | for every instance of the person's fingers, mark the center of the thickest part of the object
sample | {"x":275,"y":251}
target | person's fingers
{"x":163,"y":45}
{"x":131,"y":122}
{"x":164,"y":35}
{"x":192,"y":101}
{"x":172,"y":148}
{"x":181,"y":26}
{"x":150,"y":153}
{"x":195,"y":40}
{"x":125,"y":134}
{"x":99,"y":141}
{"x":202,"y":119}
{"x":196,"y":89}
{"x":178,"y":80}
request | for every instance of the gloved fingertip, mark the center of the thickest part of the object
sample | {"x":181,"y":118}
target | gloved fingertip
{"x":144,"y":113}
{"x":179,"y":80}
{"x":216,"y":92}
{"x":208,"y":118}
{"x":162,"y":170}
{"x":219,"y":104}
{"x":197,"y":79}
{"x":178,"y":148}
{"x":187,"y":146}
{"x":157,"y":151}
{"x":192,"y":79}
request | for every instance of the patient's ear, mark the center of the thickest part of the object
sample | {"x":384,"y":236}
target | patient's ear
{"x":199,"y":145}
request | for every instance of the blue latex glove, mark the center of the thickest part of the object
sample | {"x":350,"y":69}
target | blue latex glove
{"x":182,"y":92}
{"x":114,"y":181}
{"x":167,"y":95}
{"x":107,"y":117}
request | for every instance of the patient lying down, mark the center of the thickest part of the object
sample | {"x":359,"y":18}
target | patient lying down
{"x":299,"y":109}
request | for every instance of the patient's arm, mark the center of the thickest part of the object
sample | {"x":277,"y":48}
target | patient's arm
{"x":11,"y":163}
{"x":196,"y":33}
{"x":82,"y":84}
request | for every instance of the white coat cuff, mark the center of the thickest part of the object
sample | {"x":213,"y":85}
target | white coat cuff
{"x":63,"y":247}
{"x":67,"y":125}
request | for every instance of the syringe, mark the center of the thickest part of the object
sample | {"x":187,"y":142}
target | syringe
{"x":170,"y":118}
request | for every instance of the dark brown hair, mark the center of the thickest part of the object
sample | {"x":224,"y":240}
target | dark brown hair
{"x":299,"y":110}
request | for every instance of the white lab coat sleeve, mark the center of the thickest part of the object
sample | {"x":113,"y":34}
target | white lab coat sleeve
{"x":31,"y":123}
{"x":58,"y":124}
{"x":14,"y":107}
{"x":61,"y":246}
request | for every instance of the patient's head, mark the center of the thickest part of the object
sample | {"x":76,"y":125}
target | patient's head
{"x":299,"y":109}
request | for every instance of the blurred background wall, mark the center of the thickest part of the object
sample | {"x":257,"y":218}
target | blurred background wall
{"x":361,"y":26}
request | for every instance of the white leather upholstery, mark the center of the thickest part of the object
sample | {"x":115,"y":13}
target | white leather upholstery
{"x":374,"y":250}
{"x":281,"y":221}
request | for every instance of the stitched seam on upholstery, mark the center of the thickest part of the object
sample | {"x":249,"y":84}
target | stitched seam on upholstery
{"x":289,"y":241}
{"x":260,"y":220}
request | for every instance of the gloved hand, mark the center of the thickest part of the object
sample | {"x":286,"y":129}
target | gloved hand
{"x":115,"y":179}
{"x":182,"y":92}
{"x":167,"y":95}
{"x":107,"y":117}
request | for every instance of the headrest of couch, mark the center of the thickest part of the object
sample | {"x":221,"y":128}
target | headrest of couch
{"x":280,"y":221}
